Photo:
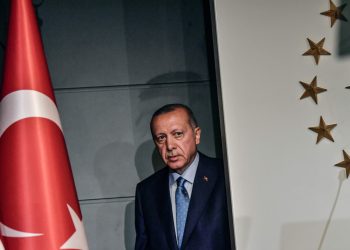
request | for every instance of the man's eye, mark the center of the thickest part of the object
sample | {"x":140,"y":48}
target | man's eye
{"x":161,"y":138}
{"x":178,"y":134}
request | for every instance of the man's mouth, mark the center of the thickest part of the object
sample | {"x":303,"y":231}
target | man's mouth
{"x":172,"y":157}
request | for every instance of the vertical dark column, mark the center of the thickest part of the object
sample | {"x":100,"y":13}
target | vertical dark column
{"x":4,"y":15}
{"x":344,"y":31}
{"x":214,"y":75}
{"x":214,"y":71}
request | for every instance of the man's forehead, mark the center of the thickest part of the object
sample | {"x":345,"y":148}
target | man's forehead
{"x":170,"y":120}
{"x":178,"y":114}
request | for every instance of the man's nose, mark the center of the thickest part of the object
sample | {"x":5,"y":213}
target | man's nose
{"x":170,"y":145}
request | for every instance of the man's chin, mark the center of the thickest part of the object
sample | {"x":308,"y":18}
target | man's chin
{"x":175,"y":167}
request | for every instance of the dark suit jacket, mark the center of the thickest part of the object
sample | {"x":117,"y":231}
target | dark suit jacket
{"x":207,"y":225}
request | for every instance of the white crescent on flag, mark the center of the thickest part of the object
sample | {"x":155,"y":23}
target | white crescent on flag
{"x":10,"y":232}
{"x":23,"y":104}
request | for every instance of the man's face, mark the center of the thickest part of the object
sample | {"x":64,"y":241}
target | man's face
{"x":175,"y":139}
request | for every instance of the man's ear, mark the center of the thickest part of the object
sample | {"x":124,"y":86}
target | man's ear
{"x":197,"y":134}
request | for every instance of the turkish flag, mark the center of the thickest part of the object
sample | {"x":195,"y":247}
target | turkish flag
{"x":39,"y":208}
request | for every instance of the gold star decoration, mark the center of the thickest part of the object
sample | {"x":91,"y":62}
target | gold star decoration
{"x":323,"y":130}
{"x":345,"y":164}
{"x":335,"y":12}
{"x":311,"y":89}
{"x":316,"y":50}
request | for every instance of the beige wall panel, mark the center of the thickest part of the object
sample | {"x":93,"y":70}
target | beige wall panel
{"x":284,"y":186}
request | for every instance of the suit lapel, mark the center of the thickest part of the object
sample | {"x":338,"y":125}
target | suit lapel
{"x":203,"y":186}
{"x":165,"y":211}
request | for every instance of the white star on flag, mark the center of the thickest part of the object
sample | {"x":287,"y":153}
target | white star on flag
{"x":78,"y":239}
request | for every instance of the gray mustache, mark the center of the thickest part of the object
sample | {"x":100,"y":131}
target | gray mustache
{"x":170,"y":153}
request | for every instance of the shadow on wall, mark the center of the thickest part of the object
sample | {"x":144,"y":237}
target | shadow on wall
{"x":106,"y":169}
{"x":147,"y":161}
{"x":112,"y":161}
{"x":145,"y":150}
{"x":129,"y":228}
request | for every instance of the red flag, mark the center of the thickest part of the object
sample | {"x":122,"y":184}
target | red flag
{"x":39,"y":208}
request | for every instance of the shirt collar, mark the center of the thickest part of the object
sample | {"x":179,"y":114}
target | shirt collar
{"x":189,"y":174}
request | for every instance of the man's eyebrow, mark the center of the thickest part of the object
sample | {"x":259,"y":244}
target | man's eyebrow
{"x":177,"y":130}
{"x":160,"y":133}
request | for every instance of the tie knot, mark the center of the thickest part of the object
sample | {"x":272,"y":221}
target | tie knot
{"x":180,"y":182}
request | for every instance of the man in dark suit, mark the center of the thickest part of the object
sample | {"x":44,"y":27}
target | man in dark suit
{"x":182,"y":206}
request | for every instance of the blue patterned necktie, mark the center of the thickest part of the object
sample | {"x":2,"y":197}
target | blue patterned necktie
{"x":182,"y":200}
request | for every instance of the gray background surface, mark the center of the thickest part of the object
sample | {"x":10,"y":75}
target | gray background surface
{"x":112,"y":63}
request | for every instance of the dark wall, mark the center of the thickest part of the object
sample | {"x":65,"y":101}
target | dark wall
{"x":4,"y":14}
{"x":112,"y":64}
